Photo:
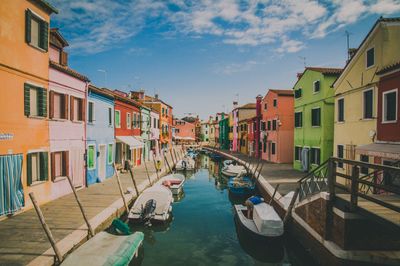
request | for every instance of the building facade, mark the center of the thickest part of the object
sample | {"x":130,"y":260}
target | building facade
{"x":224,"y":132}
{"x":242,"y":136}
{"x":145,"y":126}
{"x":184,"y":132}
{"x":241,"y":113}
{"x":154,"y":134}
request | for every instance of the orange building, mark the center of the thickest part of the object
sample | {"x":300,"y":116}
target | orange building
{"x":24,"y":78}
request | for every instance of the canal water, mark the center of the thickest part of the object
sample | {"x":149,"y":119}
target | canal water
{"x":203,"y":230}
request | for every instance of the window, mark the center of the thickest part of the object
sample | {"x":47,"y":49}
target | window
{"x":298,"y":119}
{"x":273,"y":148}
{"x":58,"y":105}
{"x":37,"y":167}
{"x":390,"y":106}
{"x":90,"y":112}
{"x":59,"y":164}
{"x":128,"y":121}
{"x":316,"y":117}
{"x":110,"y":154}
{"x":274,"y":124}
{"x":134,"y":120}
{"x":297,"y":93}
{"x":265,"y":146}
{"x":315,"y":157}
{"x":370,"y":57}
{"x":340,"y":109}
{"x":297,"y":153}
{"x":275,"y":102}
{"x":35,"y":101}
{"x":91,"y":157}
{"x":110,"y":116}
{"x":117,"y":119}
{"x":364,"y":158}
{"x":317,"y":86}
{"x":77,"y":109}
{"x":154,"y":122}
{"x":36,"y":31}
{"x":340,"y":154}
{"x":269,"y":125}
{"x":265,"y":106}
{"x":263,"y":125}
{"x":368,"y":103}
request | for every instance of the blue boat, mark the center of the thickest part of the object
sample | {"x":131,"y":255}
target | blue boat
{"x":215,"y":156}
{"x":241,"y":186}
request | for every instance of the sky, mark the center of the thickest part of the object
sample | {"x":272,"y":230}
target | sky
{"x":200,"y":56}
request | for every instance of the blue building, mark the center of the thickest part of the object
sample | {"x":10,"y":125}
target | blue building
{"x":100,"y":143}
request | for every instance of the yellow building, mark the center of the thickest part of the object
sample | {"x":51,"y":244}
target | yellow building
{"x":356,"y":90}
{"x":242,"y":138}
{"x":230,"y":130}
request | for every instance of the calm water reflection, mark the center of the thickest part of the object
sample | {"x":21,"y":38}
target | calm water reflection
{"x":203,"y":230}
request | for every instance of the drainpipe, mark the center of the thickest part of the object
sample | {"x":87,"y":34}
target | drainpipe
{"x":85,"y":135}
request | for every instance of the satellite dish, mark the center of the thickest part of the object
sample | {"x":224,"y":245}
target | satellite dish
{"x":372,"y":134}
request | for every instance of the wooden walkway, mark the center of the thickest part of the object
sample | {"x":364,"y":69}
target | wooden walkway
{"x":23,"y":241}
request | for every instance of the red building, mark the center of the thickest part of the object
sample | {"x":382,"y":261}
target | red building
{"x":277,"y":126}
{"x":183,"y":132}
{"x":251,"y":135}
{"x":129,"y":145}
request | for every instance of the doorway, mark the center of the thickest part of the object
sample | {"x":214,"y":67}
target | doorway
{"x":102,"y":162}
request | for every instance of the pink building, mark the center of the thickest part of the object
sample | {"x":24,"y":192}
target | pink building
{"x":183,"y":132}
{"x":277,"y":126}
{"x":67,"y":105}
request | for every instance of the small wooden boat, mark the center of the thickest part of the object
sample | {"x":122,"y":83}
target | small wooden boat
{"x":231,"y":170}
{"x":215,"y":156}
{"x":106,"y":249}
{"x":186,"y":164}
{"x":265,"y":223}
{"x":241,"y":186}
{"x":154,"y":204}
{"x":174,"y":182}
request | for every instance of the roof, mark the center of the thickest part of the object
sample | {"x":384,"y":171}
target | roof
{"x":389,"y":68}
{"x":46,"y":6}
{"x":247,"y":106}
{"x":61,"y":40}
{"x":119,"y":95}
{"x":378,"y":21}
{"x":103,"y":92}
{"x":328,"y":71}
{"x":282,"y":92}
{"x":67,"y":70}
{"x":150,"y":99}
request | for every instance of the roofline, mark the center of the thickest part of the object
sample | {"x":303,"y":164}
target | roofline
{"x":100,"y":91}
{"x":71,"y":73}
{"x":57,"y":32}
{"x":310,"y":68}
{"x":46,"y":6}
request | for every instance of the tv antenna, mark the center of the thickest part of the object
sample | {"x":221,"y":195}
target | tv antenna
{"x":348,"y":43}
{"x":303,"y":58}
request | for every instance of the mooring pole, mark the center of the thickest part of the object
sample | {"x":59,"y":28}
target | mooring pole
{"x":133,"y":180}
{"x":147,"y":171}
{"x":91,"y":232}
{"x":290,"y":208}
{"x":259,"y":171}
{"x":120,"y":189}
{"x":176,"y":157}
{"x":169,"y":167}
{"x":155,"y":165}
{"x":46,"y":227}
{"x":172,"y":157}
{"x":273,"y":195}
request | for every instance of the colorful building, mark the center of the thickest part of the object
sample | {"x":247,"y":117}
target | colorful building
{"x":230,"y":134}
{"x":100,"y":135}
{"x":67,"y":119}
{"x":278,"y":124}
{"x":365,"y":97}
{"x":204,"y":131}
{"x":145,"y":126}
{"x":129,"y":146}
{"x":313,"y":117}
{"x":241,"y":113}
{"x":251,"y":135}
{"x":242,"y":137}
{"x":154,"y":133}
{"x":24,"y":131}
{"x":183,"y":132}
{"x":224,"y":132}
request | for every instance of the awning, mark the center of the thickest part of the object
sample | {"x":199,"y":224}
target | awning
{"x":183,"y":138}
{"x":384,"y":150}
{"x":133,"y":142}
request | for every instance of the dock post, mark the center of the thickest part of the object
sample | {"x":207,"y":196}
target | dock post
{"x":176,"y":157}
{"x":155,"y":165}
{"x":133,"y":180}
{"x":90,"y":229}
{"x":147,"y":171}
{"x":46,"y":228}
{"x":273,"y":195}
{"x":290,"y":208}
{"x":172,"y":157}
{"x":329,"y":202}
{"x":120,"y":189}
{"x":255,"y":169}
{"x":166,"y":161}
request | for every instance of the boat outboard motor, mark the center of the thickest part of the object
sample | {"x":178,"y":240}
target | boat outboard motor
{"x":147,"y":212}
{"x":184,"y":164}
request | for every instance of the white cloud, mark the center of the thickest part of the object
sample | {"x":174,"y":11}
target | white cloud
{"x":233,"y":68}
{"x":103,"y":24}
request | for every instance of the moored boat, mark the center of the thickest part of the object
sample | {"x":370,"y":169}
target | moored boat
{"x":264,"y":222}
{"x":174,"y":182}
{"x":241,"y":186}
{"x":186,"y":164}
{"x":154,"y":204}
{"x":231,"y":170}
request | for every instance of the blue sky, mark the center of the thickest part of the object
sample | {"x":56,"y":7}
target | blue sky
{"x":200,"y":56}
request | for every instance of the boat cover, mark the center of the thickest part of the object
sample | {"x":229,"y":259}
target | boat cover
{"x":267,"y":220}
{"x":106,"y":249}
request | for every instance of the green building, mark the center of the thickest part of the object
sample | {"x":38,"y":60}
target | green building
{"x":145,"y":131}
{"x":314,"y":117}
{"x":224,"y":132}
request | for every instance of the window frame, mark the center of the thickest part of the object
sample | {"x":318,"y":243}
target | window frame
{"x":363,"y":103}
{"x":275,"y":102}
{"x":112,"y":153}
{"x":315,"y":81}
{"x":366,"y":58}
{"x":44,"y":177}
{"x":384,"y":121}
{"x":320,"y":116}
{"x":41,"y":22}
{"x":313,"y":160}
{"x":93,"y":112}
{"x":364,"y":170}
{"x":110,"y":117}
{"x":301,"y":119}
{"x":273,"y":148}
{"x":301,"y":93}
{"x":94,"y":157}
{"x":119,"y":115}
{"x":338,"y":110}
{"x":299,"y":154}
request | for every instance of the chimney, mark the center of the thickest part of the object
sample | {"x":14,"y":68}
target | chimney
{"x":258,"y":105}
{"x":299,"y":75}
{"x":235,"y":104}
{"x":351,"y":52}
{"x":156,"y":96}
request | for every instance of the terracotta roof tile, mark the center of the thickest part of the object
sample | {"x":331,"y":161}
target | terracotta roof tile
{"x":69,"y":71}
{"x":283,"y":92}
{"x":389,"y":68}
{"x":326,"y":70}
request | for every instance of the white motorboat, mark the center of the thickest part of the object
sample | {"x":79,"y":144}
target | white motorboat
{"x":174,"y":182}
{"x":233,"y":170}
{"x":186,"y":163}
{"x":265,"y":223}
{"x":154,"y":204}
{"x":228,"y":162}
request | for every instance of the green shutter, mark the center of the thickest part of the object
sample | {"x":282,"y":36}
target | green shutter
{"x":42,"y":102}
{"x":27,"y":106}
{"x":44,"y":35}
{"x":29,"y":169}
{"x":28,"y":18}
{"x":44,"y":166}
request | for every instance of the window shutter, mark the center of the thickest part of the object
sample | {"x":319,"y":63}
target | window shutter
{"x":27,"y":105}
{"x":29,"y":169}
{"x":72,"y":108}
{"x":53,"y":166}
{"x":65,"y":161}
{"x":28,"y":18}
{"x":44,"y":166}
{"x":51,"y":104}
{"x":42,"y":102}
{"x":44,"y":35}
{"x":83,"y":110}
{"x":64,"y":58}
{"x":66,"y":105}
